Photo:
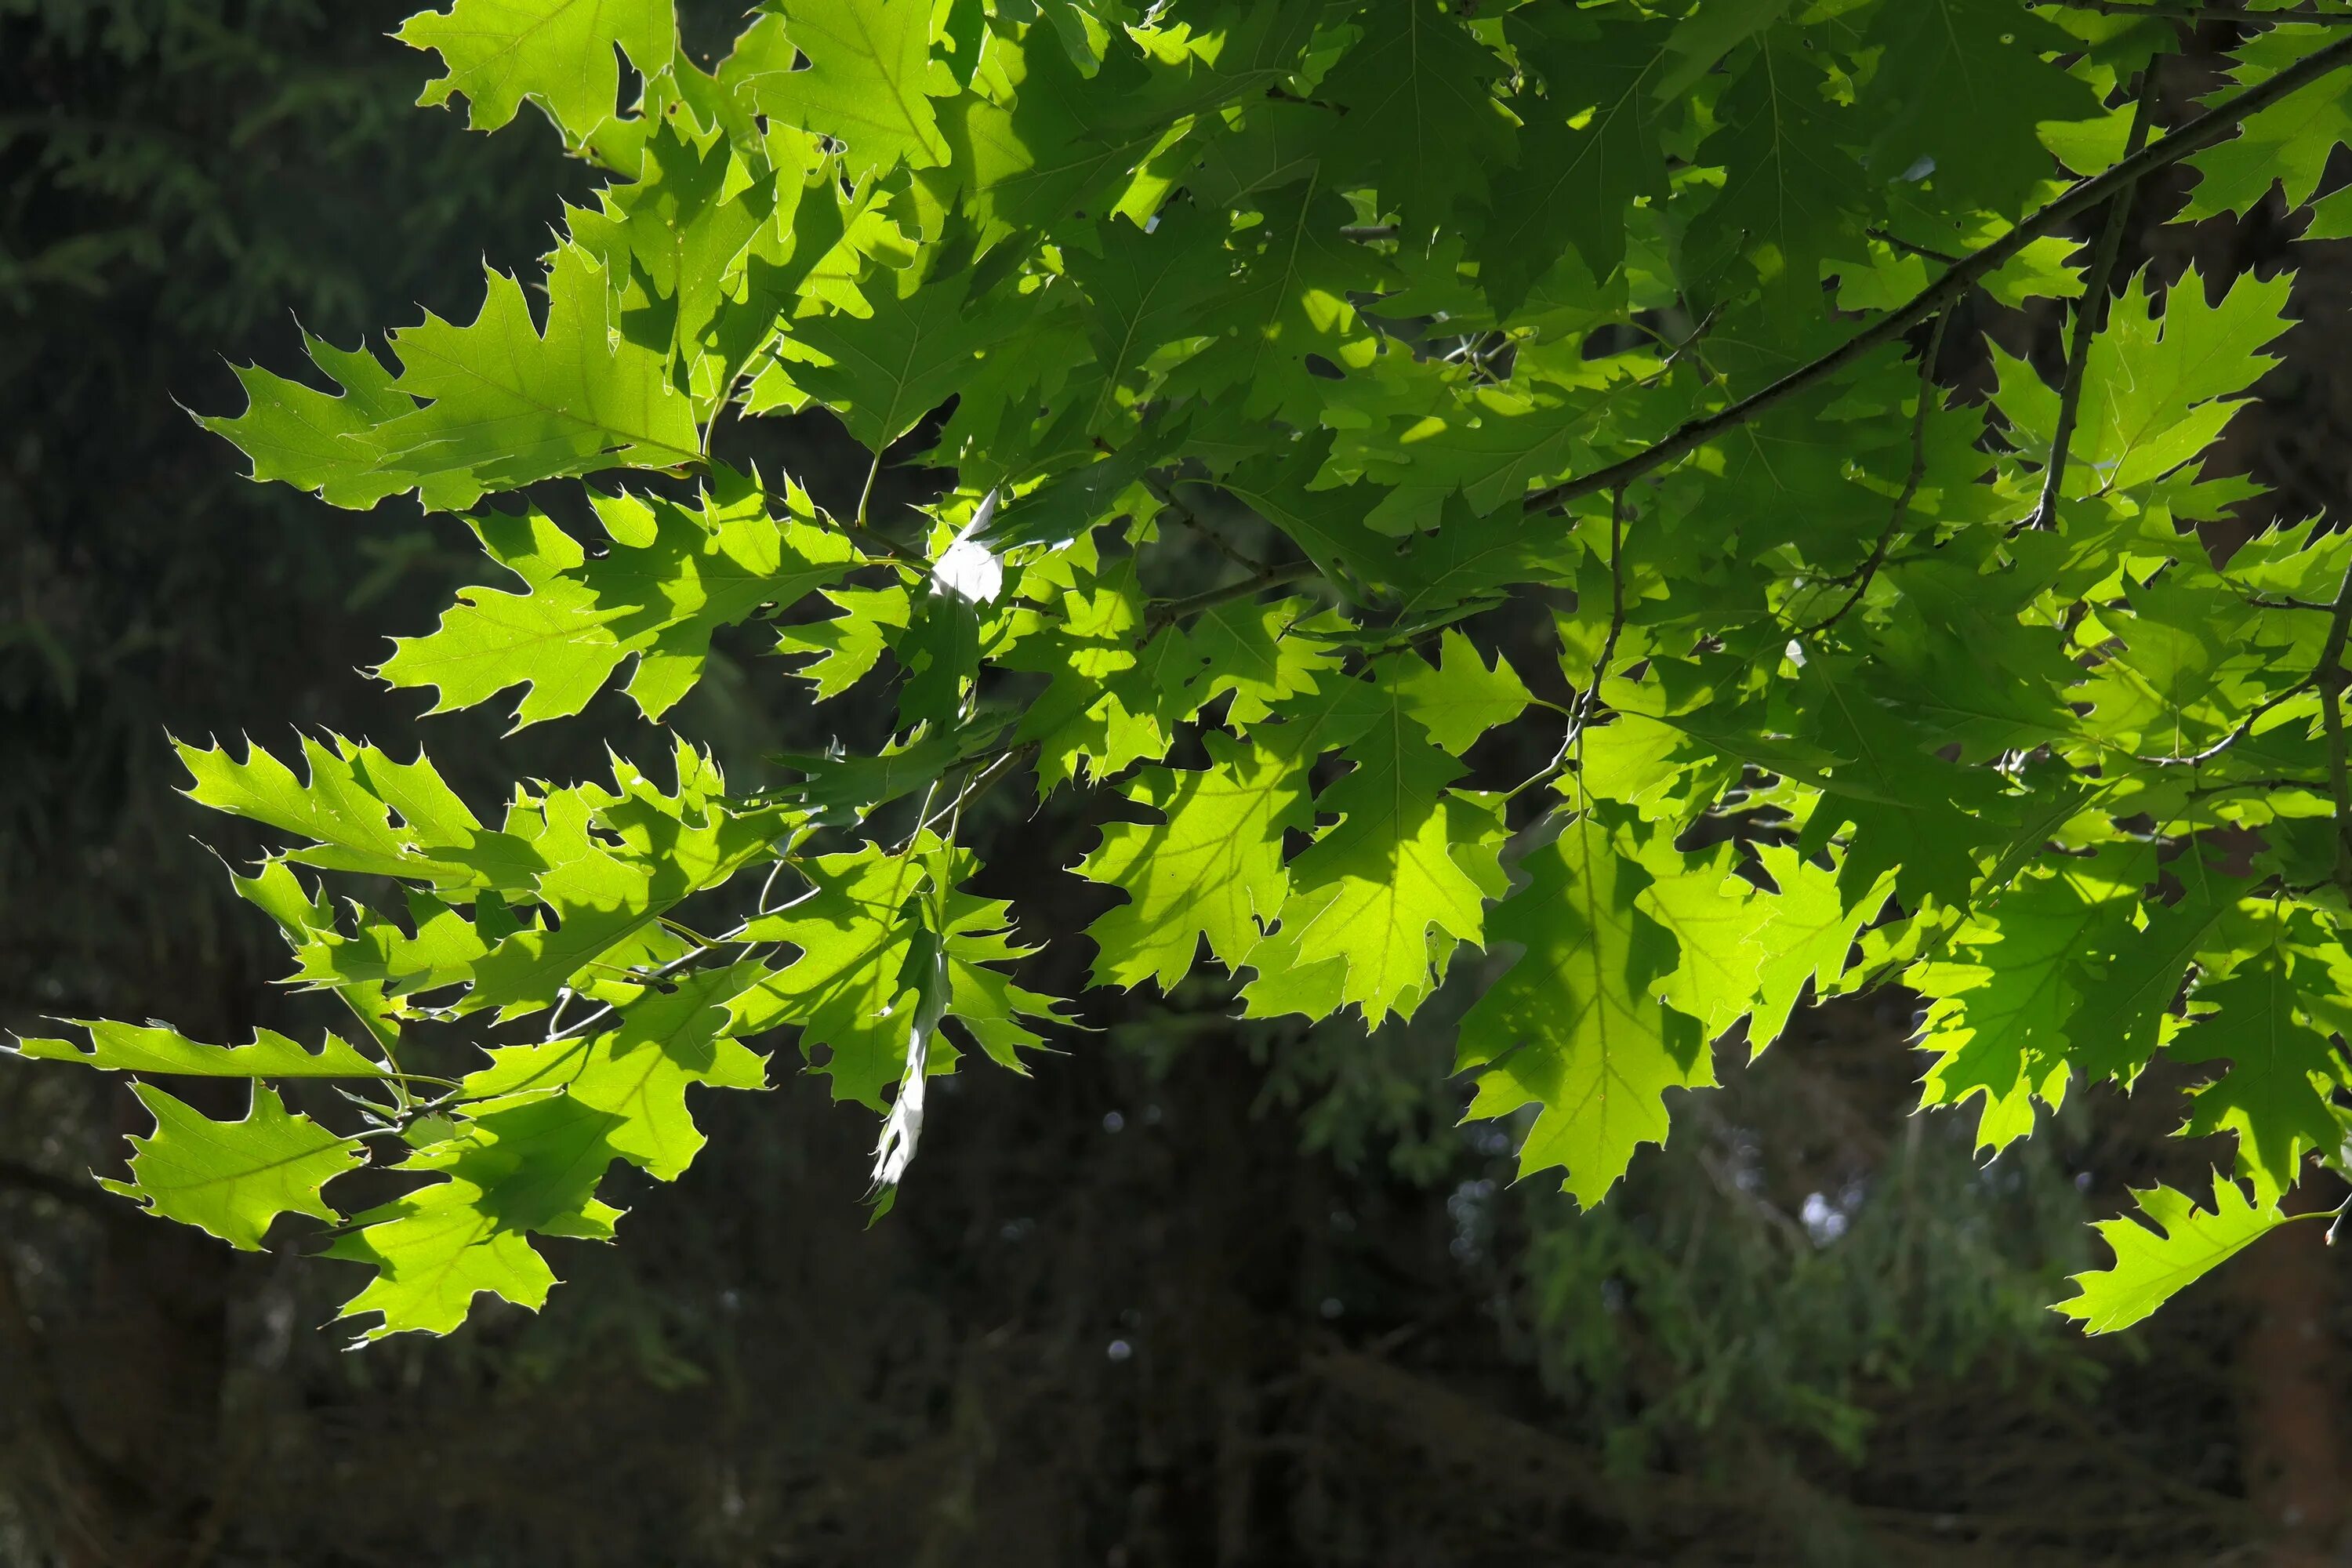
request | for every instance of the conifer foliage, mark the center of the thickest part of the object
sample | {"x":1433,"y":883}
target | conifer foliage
{"x":1623,"y":326}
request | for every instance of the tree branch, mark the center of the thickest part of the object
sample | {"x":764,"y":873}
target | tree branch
{"x":2098,"y":286}
{"x":1170,"y":611}
{"x":2168,"y":11}
{"x":2194,"y":137}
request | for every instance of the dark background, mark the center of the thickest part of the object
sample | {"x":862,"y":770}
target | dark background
{"x":1195,"y":1294}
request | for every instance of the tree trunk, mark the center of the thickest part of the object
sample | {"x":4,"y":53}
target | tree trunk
{"x":2291,"y":1378}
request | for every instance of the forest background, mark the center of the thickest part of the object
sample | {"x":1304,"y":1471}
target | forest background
{"x":1201,"y":1293}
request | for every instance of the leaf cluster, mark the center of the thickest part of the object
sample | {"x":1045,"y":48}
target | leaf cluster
{"x":1631,"y":322}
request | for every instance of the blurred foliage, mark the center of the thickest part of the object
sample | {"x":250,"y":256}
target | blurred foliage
{"x":175,"y":177}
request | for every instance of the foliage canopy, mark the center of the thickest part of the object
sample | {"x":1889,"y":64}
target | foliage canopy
{"x":1616,"y":338}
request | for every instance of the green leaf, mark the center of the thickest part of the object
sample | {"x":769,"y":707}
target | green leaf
{"x":432,"y":1259}
{"x":1112,"y":697}
{"x":232,"y":1178}
{"x":1406,"y":861}
{"x":126,"y":1047}
{"x":883,"y":373}
{"x":2154,"y":1262}
{"x":1789,"y":183}
{"x":1807,"y":932}
{"x":1146,"y":292}
{"x":1979,"y":64}
{"x":848,"y":988}
{"x":1211,"y":868}
{"x":1999,"y":1016}
{"x":507,"y":401}
{"x":1592,"y":147}
{"x":557,"y":53}
{"x":1574,"y":1026}
{"x":1471,"y":457}
{"x":1264,"y":654}
{"x":863,"y":944}
{"x":983,"y":1001}
{"x":2116,"y":1029}
{"x":694,"y":254}
{"x":361,"y":812}
{"x":494,"y":404}
{"x":2157,"y":390}
{"x":1066,"y":139}
{"x":316,"y":441}
{"x":848,"y":645}
{"x":842,"y":787}
{"x":2286,"y":145}
{"x":1701,"y":39}
{"x":1912,"y":814}
{"x":639,"y":1071}
{"x":1462,"y":699}
{"x":672,"y":577}
{"x":1423,"y":121}
{"x":1292,"y":298}
{"x":600,"y":894}
{"x":2283,"y":1073}
{"x":867,"y":81}
{"x":1716,"y":918}
{"x":515,"y":1168}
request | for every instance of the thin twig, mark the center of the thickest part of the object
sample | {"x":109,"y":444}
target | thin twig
{"x":2193,"y":137}
{"x":640,"y":978}
{"x":759,"y":904}
{"x":1675,"y":350}
{"x":1925,"y":253}
{"x":2099,"y":283}
{"x":2244,"y":727}
{"x":1864,"y":575}
{"x":973,"y":779}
